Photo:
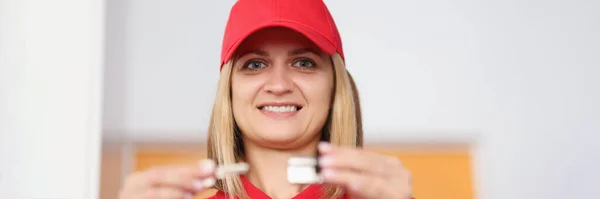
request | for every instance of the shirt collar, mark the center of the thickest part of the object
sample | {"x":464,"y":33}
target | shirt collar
{"x":312,"y":191}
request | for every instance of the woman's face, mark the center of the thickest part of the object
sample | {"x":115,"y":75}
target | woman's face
{"x":281,"y":88}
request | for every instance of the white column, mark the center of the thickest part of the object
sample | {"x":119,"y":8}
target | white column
{"x":51,"y":61}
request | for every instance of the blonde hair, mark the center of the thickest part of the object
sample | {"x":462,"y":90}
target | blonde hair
{"x":357,"y":111}
{"x":341,"y":128}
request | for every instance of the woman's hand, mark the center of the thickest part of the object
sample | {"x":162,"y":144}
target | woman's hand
{"x":170,"y":182}
{"x":365,"y":175}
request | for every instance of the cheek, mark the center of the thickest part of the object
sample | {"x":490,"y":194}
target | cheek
{"x":318,"y":92}
{"x":244,"y":90}
{"x":241,"y":95}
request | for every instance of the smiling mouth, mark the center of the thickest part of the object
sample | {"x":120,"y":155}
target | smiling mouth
{"x":280,"y":109}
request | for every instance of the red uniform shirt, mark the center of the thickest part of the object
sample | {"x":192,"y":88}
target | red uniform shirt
{"x":311,"y":192}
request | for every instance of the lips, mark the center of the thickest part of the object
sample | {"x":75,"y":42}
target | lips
{"x":280,"y":107}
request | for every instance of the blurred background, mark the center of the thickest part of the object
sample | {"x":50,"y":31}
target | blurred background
{"x":480,"y":99}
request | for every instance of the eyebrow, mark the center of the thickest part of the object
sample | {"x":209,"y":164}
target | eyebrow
{"x":291,"y":53}
{"x":302,"y":51}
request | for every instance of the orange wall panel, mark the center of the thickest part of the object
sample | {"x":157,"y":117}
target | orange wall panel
{"x":438,"y":175}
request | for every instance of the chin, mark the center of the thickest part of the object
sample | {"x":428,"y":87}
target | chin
{"x":282,"y":139}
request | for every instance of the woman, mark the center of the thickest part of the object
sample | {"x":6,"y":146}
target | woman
{"x":283,"y":92}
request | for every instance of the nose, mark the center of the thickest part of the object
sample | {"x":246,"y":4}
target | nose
{"x":279,"y":80}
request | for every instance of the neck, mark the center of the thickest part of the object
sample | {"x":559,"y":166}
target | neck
{"x":268,"y":170}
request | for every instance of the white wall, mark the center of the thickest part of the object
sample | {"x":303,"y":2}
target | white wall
{"x":519,"y":77}
{"x":50,"y":98}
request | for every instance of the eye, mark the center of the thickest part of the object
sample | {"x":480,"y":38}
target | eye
{"x":305,"y":63}
{"x":254,"y":65}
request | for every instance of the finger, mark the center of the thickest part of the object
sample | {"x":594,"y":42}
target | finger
{"x":191,"y":178}
{"x":167,"y":193}
{"x":357,"y":184}
{"x":357,"y":159}
{"x":134,"y":182}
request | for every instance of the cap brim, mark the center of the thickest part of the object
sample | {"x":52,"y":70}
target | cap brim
{"x":321,"y":41}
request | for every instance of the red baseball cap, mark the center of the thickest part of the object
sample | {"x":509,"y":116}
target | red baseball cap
{"x":308,"y":17}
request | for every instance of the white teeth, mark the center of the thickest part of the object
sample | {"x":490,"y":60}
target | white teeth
{"x":280,"y":109}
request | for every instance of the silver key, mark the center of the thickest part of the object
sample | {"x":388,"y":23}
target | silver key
{"x":237,"y":168}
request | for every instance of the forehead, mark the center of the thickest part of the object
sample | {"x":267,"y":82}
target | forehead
{"x":276,"y":36}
